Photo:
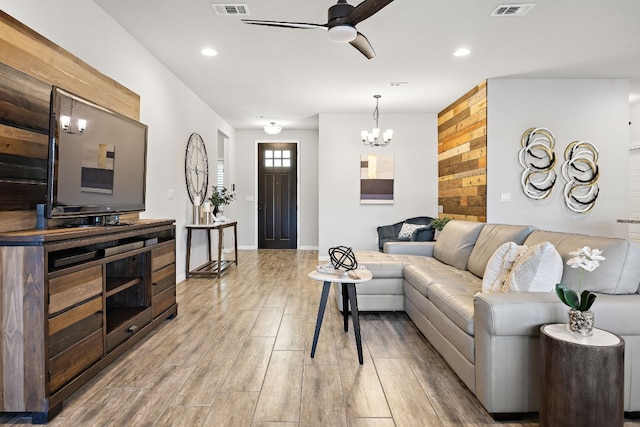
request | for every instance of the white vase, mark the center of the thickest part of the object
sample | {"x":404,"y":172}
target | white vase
{"x":581,"y":322}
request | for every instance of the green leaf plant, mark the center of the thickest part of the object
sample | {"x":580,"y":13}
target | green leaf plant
{"x":570,"y":298}
{"x":439,"y":223}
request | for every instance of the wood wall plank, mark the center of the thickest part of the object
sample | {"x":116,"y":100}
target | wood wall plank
{"x":462,"y":156}
{"x":29,"y":52}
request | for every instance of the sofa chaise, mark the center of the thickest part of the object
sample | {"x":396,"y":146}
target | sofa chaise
{"x":491,"y":340}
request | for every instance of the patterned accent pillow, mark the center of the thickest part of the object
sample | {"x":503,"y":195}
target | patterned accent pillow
{"x":499,"y":266}
{"x":537,"y":270}
{"x":407,"y":230}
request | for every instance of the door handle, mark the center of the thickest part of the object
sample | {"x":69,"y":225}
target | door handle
{"x":260,"y":205}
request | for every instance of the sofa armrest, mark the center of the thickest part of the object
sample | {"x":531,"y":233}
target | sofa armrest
{"x":507,"y":343}
{"x":423,"y":234}
{"x":517,"y":313}
{"x":386,"y":232}
{"x":409,"y":248}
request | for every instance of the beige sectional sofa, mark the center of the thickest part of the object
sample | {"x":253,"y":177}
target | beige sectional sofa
{"x":491,"y":340}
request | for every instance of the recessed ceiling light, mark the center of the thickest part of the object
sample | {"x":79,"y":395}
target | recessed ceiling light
{"x":207,"y":51}
{"x":463,"y":51}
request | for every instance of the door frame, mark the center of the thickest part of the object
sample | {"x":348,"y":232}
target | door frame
{"x":255,"y":185}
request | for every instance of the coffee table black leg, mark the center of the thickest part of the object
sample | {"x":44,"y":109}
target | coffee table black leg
{"x":323,"y":304}
{"x":345,"y":307}
{"x":353,"y":299}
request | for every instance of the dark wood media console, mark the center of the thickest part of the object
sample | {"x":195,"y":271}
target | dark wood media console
{"x":72,"y":301}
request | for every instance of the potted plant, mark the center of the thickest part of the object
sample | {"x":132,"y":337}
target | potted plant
{"x":580,"y":317}
{"x":220,"y":197}
{"x":438,"y":224}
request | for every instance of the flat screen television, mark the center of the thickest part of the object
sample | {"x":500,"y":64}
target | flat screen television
{"x":97,"y":160}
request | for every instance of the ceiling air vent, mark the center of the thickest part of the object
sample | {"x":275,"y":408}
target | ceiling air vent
{"x":512,"y":9}
{"x":230,"y":9}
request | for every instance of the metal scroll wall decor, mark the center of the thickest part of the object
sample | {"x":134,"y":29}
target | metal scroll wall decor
{"x":537,"y":159}
{"x":581,"y":172}
{"x":580,"y":169}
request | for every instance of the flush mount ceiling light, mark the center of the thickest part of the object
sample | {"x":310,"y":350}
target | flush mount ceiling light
{"x":207,"y":51}
{"x":272,"y":128}
{"x":372,"y":138}
{"x":463,"y":51}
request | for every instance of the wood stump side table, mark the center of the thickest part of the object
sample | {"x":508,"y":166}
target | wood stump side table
{"x":582,"y":378}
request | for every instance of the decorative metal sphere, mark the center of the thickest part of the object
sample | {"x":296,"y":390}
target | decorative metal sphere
{"x":343,"y":258}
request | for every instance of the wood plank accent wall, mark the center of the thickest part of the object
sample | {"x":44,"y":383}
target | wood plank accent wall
{"x":462,"y":157}
{"x":31,"y":64}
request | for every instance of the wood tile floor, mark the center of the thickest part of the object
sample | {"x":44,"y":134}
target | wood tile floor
{"x":238,"y":355}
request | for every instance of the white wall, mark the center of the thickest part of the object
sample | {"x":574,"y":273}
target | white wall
{"x":342,"y":219}
{"x":246,"y":187}
{"x":634,"y":171}
{"x":593,"y":110}
{"x":167,"y":106}
{"x":634,"y":128}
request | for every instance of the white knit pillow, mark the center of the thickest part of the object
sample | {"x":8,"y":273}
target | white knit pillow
{"x":499,"y":266}
{"x":537,"y":270}
{"x":407,"y":230}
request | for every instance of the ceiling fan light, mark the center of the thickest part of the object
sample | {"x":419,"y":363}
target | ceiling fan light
{"x":272,"y":129}
{"x":342,"y":34}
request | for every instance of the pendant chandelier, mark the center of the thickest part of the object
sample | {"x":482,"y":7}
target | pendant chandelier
{"x":372,"y":138}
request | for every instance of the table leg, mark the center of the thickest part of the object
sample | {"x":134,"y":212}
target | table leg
{"x":235,"y":241}
{"x":209,"y":245}
{"x":356,"y":320}
{"x":188,"y":252}
{"x":323,"y":304}
{"x":345,"y":307}
{"x":220,"y":237}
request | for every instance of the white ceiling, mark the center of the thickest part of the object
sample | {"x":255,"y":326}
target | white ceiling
{"x":264,"y":74}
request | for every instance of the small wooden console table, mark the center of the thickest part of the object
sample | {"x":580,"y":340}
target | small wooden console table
{"x":212,"y":267}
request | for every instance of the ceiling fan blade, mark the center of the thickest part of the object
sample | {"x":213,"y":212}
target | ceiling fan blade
{"x":362,"y":44}
{"x":363,"y":11}
{"x":303,"y":25}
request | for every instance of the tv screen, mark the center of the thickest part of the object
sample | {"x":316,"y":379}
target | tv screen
{"x":97,"y":159}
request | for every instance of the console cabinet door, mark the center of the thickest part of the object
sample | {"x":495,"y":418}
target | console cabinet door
{"x":75,"y":341}
{"x":70,"y":289}
{"x":163,"y":278}
{"x":75,"y":324}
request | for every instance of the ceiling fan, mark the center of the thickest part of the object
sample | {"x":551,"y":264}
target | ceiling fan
{"x":341,"y":24}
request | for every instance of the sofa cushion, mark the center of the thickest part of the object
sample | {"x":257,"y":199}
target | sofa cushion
{"x":499,"y":266}
{"x":423,"y":275}
{"x":455,"y":243}
{"x":490,"y":238}
{"x":538,"y":269}
{"x":455,"y":300}
{"x":616,"y":275}
{"x":407,"y":230}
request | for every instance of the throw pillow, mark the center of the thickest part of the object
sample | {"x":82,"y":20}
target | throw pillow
{"x":407,"y":230}
{"x":537,"y":270}
{"x":499,"y":266}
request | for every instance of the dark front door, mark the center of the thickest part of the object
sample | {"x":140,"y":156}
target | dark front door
{"x":277,"y":196}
